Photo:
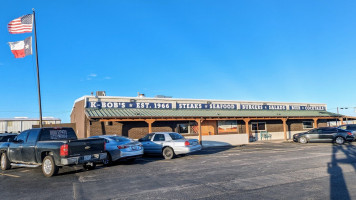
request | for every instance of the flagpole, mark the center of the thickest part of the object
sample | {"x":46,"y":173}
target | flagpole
{"x":38,"y":70}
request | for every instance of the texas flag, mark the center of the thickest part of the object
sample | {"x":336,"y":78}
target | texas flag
{"x":21,"y":48}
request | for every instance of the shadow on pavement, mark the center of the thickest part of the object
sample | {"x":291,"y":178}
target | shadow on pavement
{"x":156,"y":157}
{"x":338,"y":187}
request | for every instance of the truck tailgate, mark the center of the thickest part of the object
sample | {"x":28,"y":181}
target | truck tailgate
{"x":86,"y":146}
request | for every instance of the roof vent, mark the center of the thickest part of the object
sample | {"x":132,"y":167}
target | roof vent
{"x":100,"y":93}
{"x":140,"y":95}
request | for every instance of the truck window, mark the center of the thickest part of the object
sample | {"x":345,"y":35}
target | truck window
{"x":32,"y":137}
{"x":22,"y":136}
{"x":58,"y":134}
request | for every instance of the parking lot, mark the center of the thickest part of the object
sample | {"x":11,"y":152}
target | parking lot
{"x":254,"y":171}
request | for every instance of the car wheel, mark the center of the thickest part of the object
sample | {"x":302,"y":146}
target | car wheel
{"x":49,"y":168}
{"x":5,"y":162}
{"x":168,"y":153}
{"x":108,"y":160}
{"x":303,"y":140}
{"x":89,"y":166}
{"x":339,"y":140}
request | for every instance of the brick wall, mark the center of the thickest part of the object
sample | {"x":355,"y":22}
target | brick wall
{"x":105,"y":128}
{"x":78,"y":118}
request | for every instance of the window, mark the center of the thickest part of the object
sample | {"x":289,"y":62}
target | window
{"x":108,"y":123}
{"x":176,"y":136}
{"x":57,"y":134}
{"x":314,"y":131}
{"x":148,"y":137}
{"x":159,"y":137}
{"x":258,"y":126}
{"x":308,"y":125}
{"x":188,"y":128}
{"x":32,"y":137}
{"x":22,"y":136}
{"x":227,"y":126}
{"x":183,"y":128}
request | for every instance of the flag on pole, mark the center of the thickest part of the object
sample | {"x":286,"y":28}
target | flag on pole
{"x":21,"y":48}
{"x":21,"y":25}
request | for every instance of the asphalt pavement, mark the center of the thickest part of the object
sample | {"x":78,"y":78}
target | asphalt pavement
{"x":264,"y":170}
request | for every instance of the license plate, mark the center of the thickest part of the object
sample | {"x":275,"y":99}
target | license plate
{"x":88,"y":157}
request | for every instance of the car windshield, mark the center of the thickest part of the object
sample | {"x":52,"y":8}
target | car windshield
{"x":176,"y":136}
{"x":120,"y":139}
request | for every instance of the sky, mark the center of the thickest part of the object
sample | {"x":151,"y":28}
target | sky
{"x":251,"y":50}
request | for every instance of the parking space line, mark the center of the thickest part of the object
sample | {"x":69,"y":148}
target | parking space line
{"x":10,"y":175}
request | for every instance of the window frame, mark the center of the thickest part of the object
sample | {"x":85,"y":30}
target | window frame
{"x":258,"y":126}
{"x":304,"y":126}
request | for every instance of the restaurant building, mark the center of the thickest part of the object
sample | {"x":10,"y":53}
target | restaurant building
{"x":134,"y":117}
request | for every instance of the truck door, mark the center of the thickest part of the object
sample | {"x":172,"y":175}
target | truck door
{"x":28,"y":149}
{"x":15,"y":148}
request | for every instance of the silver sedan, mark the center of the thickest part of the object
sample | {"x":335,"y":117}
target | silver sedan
{"x":168,"y":144}
{"x":121,"y":148}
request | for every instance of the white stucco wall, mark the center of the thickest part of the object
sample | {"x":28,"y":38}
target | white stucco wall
{"x":222,"y":140}
{"x":277,"y":135}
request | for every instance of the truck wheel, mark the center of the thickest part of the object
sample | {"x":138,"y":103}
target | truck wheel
{"x":168,"y":153}
{"x":49,"y":168}
{"x":5,"y":162}
{"x":88,"y":166}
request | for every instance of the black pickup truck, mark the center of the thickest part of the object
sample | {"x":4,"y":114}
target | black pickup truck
{"x":51,"y":148}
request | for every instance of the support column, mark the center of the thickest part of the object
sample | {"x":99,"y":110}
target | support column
{"x":285,"y":128}
{"x":341,"y":121}
{"x":247,"y":126}
{"x":199,"y":121}
{"x":149,"y":122}
{"x":315,"y":122}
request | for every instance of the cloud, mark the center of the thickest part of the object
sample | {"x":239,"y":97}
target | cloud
{"x":107,"y":77}
{"x":91,"y":76}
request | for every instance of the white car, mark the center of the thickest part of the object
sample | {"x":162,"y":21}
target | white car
{"x":121,"y":148}
{"x":168,"y":144}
